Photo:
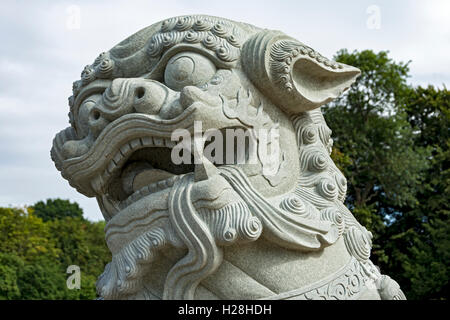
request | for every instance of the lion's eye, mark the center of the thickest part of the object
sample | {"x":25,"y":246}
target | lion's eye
{"x":188,"y":69}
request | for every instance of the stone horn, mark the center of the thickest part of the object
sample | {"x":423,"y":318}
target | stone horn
{"x":294,"y":76}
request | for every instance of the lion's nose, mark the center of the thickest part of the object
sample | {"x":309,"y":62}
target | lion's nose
{"x":137,"y":95}
{"x":149,"y":97}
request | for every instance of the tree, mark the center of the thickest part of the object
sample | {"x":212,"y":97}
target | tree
{"x":34,"y":255}
{"x":420,"y":235}
{"x":25,"y":235}
{"x":57,"y":209}
{"x":9,"y":287}
{"x":41,"y":279}
{"x":82,"y":243}
{"x":392,"y":143}
{"x":382,"y":165}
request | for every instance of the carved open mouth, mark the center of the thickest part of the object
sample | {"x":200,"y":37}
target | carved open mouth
{"x":148,"y":168}
{"x":132,"y":158}
{"x":145,"y":166}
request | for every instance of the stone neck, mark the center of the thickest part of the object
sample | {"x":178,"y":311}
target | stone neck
{"x":255,"y":270}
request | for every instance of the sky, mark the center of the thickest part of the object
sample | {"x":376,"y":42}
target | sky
{"x":46,"y":44}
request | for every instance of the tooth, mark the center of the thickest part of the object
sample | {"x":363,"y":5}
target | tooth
{"x":147,"y":141}
{"x":97,"y":184}
{"x":138,"y":194}
{"x":125,"y":149}
{"x":162,"y":184}
{"x":144,"y":191}
{"x":204,"y":170}
{"x":148,"y":176}
{"x":117,"y":158}
{"x":134,"y":197}
{"x":135,"y":143}
{"x":111,"y":166}
{"x":153,"y":187}
{"x":170,"y":181}
{"x":159,"y":142}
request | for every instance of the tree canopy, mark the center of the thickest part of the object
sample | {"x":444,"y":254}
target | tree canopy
{"x":57,"y":208}
{"x":392,"y":144}
{"x":35,"y":253}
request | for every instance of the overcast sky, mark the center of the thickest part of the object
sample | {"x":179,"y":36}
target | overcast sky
{"x":45,"y":45}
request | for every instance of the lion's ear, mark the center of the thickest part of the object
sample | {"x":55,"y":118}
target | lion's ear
{"x":291,"y":74}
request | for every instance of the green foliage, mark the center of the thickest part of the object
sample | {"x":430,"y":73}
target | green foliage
{"x":41,"y":279}
{"x":9,"y":287}
{"x":421,"y":244}
{"x":56,"y":209}
{"x":392,"y":144}
{"x":34,"y":255}
{"x":82,"y":242}
{"x":383,"y":166}
{"x":24,"y":234}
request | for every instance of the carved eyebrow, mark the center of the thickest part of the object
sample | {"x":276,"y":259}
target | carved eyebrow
{"x":185,"y":56}
{"x":89,"y":100}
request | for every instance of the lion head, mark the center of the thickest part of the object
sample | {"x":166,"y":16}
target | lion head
{"x":223,"y":75}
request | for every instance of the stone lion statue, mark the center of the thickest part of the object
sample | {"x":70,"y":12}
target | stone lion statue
{"x":275,"y":228}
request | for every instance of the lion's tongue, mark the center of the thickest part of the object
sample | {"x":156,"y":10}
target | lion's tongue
{"x":148,"y":177}
{"x":142,"y":174}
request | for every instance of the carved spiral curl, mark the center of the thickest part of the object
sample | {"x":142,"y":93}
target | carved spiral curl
{"x":99,"y":59}
{"x":327,"y":189}
{"x":155,"y":48}
{"x":231,"y":223}
{"x":105,"y":68}
{"x":354,"y":283}
{"x":71,"y":102}
{"x":226,"y":53}
{"x":171,"y":38}
{"x":201,"y":25}
{"x":309,"y":135}
{"x":193,"y":37}
{"x":229,"y":235}
{"x":317,"y":162}
{"x":333,"y":215}
{"x":123,"y":275}
{"x":342,"y":186}
{"x":339,"y":291}
{"x":76,"y":87}
{"x":294,"y":204}
{"x":357,"y":243}
{"x":88,"y":75}
{"x":211,"y":42}
{"x":251,"y":229}
{"x":184,"y":23}
{"x":220,"y":30}
{"x":234,"y":41}
{"x":168,"y":24}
